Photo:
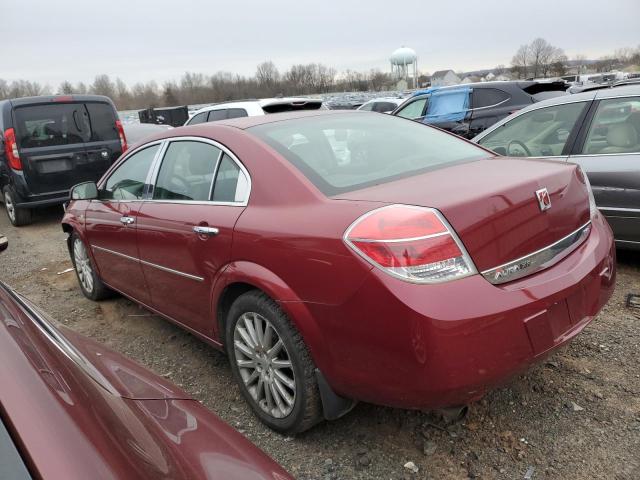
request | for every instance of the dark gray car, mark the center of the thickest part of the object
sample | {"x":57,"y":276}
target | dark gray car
{"x":600,"y":131}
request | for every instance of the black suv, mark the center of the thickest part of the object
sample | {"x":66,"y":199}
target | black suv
{"x":50,"y":143}
{"x":468,"y":109}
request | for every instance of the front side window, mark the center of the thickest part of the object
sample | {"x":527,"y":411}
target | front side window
{"x":414,"y":109}
{"x":341,"y":153}
{"x":187,"y":171}
{"x":220,"y":114}
{"x":367,"y":107}
{"x":383,"y":107}
{"x":128,"y":180}
{"x":615,"y":127}
{"x":199,"y":118}
{"x":542,"y":132}
{"x":231,"y":183}
{"x":236,"y":113}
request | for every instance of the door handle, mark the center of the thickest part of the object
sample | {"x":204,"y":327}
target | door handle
{"x":210,"y":231}
{"x":127,"y":220}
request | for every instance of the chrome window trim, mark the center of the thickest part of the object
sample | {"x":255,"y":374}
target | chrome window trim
{"x":620,"y":209}
{"x":540,"y":259}
{"x":154,"y":265}
{"x":224,"y":150}
{"x":603,"y":154}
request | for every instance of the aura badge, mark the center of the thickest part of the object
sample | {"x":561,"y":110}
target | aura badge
{"x":544,"y":200}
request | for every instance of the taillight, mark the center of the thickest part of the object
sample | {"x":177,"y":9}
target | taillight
{"x":413,"y":243}
{"x":11,"y":149}
{"x":123,"y":139}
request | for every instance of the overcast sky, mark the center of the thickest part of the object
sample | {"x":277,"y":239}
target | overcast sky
{"x":140,"y":40}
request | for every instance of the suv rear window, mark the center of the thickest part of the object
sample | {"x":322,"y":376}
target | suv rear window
{"x":341,"y":153}
{"x":64,"y":124}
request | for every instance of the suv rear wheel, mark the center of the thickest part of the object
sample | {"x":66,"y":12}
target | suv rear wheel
{"x":272,"y":365}
{"x":17,"y":216}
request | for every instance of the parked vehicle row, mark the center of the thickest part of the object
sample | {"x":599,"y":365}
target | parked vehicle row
{"x":598,"y":130}
{"x":330,"y":255}
{"x":73,"y":409}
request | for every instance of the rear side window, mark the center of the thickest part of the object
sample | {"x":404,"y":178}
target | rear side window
{"x":231,"y":183}
{"x":488,"y":97}
{"x":383,"y":107}
{"x":341,"y":153}
{"x":128,"y":180}
{"x":52,"y":125}
{"x":615,"y":127}
{"x":187,"y":171}
{"x":217,"y":115}
{"x":236,"y":113}
{"x":199,"y":118}
{"x":103,"y":122}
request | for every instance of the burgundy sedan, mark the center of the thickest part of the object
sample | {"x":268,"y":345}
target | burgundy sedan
{"x":73,"y":409}
{"x":343,"y":256}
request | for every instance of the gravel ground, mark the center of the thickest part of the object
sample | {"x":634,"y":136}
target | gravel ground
{"x":575,"y":416}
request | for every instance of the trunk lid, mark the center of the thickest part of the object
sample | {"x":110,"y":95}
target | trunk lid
{"x":65,"y":143}
{"x":492,"y":204}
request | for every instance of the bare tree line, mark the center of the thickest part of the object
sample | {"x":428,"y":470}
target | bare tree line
{"x":541,"y":59}
{"x":197,"y":88}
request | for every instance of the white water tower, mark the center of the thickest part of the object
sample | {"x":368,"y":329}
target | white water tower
{"x":404,"y":65}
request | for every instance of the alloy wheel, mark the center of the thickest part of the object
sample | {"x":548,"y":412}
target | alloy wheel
{"x":11,"y":208}
{"x":264,"y":364}
{"x":83,"y":265}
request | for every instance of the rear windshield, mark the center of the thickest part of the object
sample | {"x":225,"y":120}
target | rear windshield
{"x":64,"y":124}
{"x":341,"y":153}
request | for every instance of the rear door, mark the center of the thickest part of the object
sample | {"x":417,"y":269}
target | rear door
{"x":185,"y":229}
{"x":65,"y":143}
{"x":608,"y":149}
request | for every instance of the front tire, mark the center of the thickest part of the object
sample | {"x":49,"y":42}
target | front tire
{"x":17,"y":216}
{"x":272,"y":365}
{"x":90,"y":284}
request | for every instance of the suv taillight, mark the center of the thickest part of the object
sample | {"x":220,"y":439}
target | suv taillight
{"x":123,"y":139}
{"x":11,"y":149}
{"x":413,"y":243}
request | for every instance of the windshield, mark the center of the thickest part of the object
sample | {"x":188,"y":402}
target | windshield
{"x":345,"y":152}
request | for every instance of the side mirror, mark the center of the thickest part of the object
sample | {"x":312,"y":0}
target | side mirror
{"x":84,"y":191}
{"x":4,"y":243}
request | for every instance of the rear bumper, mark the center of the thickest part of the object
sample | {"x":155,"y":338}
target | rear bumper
{"x":428,"y":346}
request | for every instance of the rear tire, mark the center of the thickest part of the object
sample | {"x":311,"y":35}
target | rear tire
{"x":90,"y":284}
{"x":18,"y":216}
{"x":272,"y":365}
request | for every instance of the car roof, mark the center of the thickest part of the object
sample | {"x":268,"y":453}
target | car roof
{"x":262,"y":102}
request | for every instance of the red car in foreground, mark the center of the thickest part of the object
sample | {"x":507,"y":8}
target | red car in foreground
{"x":72,"y":409}
{"x":342,"y":256}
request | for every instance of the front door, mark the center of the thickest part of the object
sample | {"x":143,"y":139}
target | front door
{"x":185,"y":230}
{"x":610,"y":155}
{"x":111,"y":223}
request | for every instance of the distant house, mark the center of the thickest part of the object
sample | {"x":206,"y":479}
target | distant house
{"x":442,"y":78}
{"x":470,"y":79}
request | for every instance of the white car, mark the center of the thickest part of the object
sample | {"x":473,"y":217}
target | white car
{"x":252,"y":108}
{"x":382,"y":105}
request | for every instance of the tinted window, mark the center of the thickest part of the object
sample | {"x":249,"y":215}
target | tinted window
{"x":341,"y":153}
{"x":541,"y":132}
{"x":414,"y":109}
{"x":52,"y":125}
{"x":217,"y":115}
{"x":187,"y":171}
{"x":486,"y":97}
{"x":615,"y":127}
{"x":236,"y":113}
{"x":199,"y":118}
{"x":103,"y":122}
{"x":383,"y":107}
{"x":231,"y":183}
{"x":128,"y":180}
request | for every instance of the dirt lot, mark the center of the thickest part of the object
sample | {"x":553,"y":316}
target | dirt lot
{"x":575,"y":416}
